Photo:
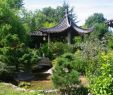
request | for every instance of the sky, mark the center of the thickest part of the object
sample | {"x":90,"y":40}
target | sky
{"x":82,"y":8}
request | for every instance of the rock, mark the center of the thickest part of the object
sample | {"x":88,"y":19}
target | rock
{"x":24,"y":76}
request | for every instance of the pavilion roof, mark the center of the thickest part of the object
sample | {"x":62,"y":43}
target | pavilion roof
{"x":37,"y":33}
{"x":65,"y":24}
{"x":62,"y":26}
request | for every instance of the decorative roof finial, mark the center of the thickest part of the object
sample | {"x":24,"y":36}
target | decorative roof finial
{"x":66,"y":12}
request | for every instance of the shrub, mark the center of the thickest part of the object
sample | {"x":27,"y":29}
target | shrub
{"x":66,"y":72}
{"x":44,"y":51}
{"x":101,"y":82}
{"x":3,"y":67}
{"x":24,"y":84}
{"x":54,"y":49}
{"x":59,"y":48}
{"x":17,"y":57}
{"x":28,"y":58}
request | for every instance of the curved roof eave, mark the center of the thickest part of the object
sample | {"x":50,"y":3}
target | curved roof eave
{"x":37,"y":33}
{"x":81,"y":30}
{"x":62,"y":26}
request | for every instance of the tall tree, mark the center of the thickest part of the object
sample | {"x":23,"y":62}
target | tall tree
{"x":11,"y":32}
{"x":95,"y":18}
{"x":98,"y":21}
{"x":14,"y":4}
{"x":11,"y":29}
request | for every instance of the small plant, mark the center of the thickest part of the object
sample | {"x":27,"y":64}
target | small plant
{"x":24,"y":84}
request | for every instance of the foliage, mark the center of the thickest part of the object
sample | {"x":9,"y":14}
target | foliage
{"x":13,"y":4}
{"x":90,"y":50}
{"x":6,"y":89}
{"x":28,"y":58}
{"x":101,"y":81}
{"x":13,"y":36}
{"x":79,"y":62}
{"x":65,"y":72}
{"x":99,"y":31}
{"x":26,"y":18}
{"x":54,"y":49}
{"x":17,"y":57}
{"x":44,"y":51}
{"x":59,"y":48}
{"x":11,"y":29}
{"x":45,"y":18}
{"x":95,"y":18}
{"x":24,"y":84}
{"x":3,"y":67}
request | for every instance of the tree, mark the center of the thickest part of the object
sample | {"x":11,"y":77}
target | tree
{"x":12,"y":33}
{"x":101,"y":81}
{"x":14,"y":4}
{"x":94,"y":19}
{"x":27,"y":18}
{"x":45,"y":18}
{"x":97,"y":20}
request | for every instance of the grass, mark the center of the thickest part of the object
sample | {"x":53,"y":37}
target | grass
{"x":40,"y":82}
{"x":41,"y":85}
{"x":9,"y":90}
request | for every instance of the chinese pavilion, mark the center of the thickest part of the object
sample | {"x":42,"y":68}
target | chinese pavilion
{"x":66,"y":28}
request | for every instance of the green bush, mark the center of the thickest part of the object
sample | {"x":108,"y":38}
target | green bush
{"x":3,"y":67}
{"x":28,"y":58}
{"x":101,"y":82}
{"x":59,"y":48}
{"x":90,"y":51}
{"x":66,"y":72}
{"x":24,"y":84}
{"x":44,"y":51}
{"x":54,"y":49}
{"x":18,"y":57}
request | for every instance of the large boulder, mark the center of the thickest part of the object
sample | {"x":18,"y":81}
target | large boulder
{"x":43,"y":65}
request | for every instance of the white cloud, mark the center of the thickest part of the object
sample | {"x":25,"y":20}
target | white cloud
{"x":84,"y":10}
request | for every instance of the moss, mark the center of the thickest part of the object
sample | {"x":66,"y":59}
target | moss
{"x":8,"y":89}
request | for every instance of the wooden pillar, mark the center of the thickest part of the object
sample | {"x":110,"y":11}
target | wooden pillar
{"x":49,"y":39}
{"x":36,"y":45}
{"x":69,"y":37}
{"x":82,"y":37}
